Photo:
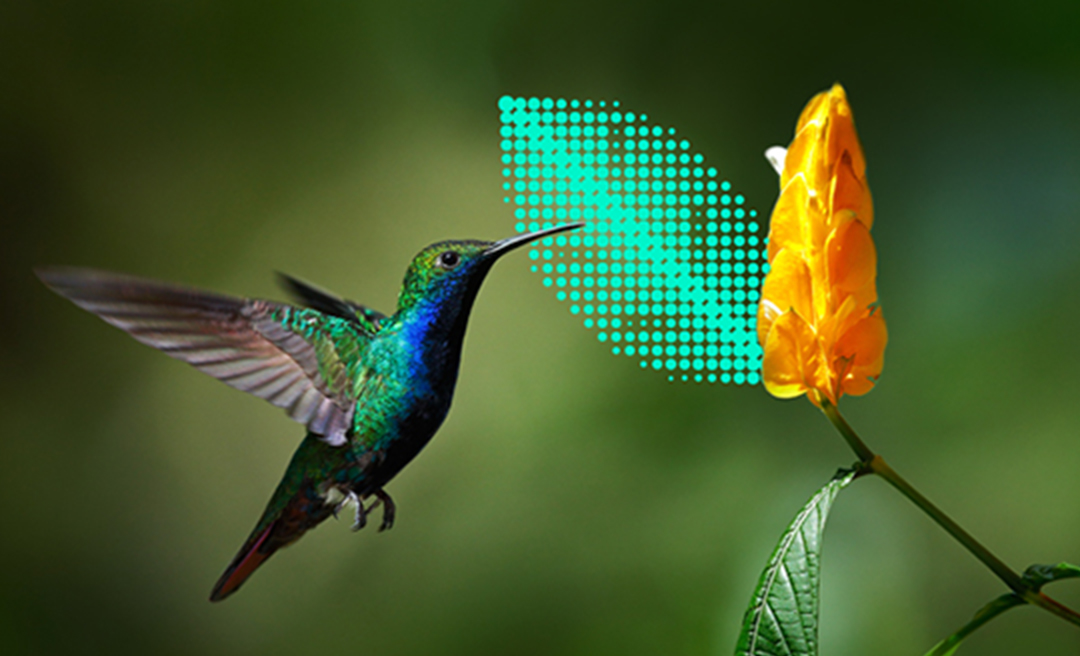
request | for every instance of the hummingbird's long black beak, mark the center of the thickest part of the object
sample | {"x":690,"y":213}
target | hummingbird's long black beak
{"x":504,"y":246}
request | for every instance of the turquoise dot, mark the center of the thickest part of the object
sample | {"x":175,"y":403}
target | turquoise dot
{"x":670,"y":271}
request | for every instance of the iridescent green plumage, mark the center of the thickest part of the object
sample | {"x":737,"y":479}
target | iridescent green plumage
{"x":371,"y":389}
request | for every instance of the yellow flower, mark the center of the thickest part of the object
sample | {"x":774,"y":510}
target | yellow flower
{"x":818,"y":322}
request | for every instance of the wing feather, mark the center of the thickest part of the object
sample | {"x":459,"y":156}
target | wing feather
{"x":327,"y":303}
{"x":274,"y":351}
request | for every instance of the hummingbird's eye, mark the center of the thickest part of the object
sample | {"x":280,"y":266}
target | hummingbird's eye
{"x":448,"y":259}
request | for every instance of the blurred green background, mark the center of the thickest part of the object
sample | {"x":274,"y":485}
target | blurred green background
{"x":572,"y":503}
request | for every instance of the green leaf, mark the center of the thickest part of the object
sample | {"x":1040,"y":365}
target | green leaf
{"x":782,"y":619}
{"x":1040,"y":575}
{"x":948,"y":646}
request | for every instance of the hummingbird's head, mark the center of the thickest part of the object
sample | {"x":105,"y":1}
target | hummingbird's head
{"x":448,"y":274}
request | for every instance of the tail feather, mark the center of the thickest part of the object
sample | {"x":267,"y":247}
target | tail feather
{"x":244,"y":564}
{"x":296,"y":507}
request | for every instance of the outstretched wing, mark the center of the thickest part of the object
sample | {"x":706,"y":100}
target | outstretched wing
{"x":327,"y":303}
{"x":298,"y":359}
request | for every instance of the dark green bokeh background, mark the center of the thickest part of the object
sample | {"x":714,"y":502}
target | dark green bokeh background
{"x":572,"y":504}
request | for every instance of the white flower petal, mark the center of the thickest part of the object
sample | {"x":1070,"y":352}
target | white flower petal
{"x":776,"y":156}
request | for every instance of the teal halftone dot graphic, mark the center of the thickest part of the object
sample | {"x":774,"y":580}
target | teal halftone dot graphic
{"x":668,"y":267}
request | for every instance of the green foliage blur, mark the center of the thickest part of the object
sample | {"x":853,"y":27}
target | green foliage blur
{"x":572,"y":503}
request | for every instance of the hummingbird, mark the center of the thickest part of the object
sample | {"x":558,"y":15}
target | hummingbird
{"x":371,"y":389}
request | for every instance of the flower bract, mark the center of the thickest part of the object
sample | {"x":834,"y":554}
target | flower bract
{"x":819,"y":324}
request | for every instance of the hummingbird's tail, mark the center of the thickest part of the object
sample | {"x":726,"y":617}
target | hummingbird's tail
{"x":244,"y":564}
{"x":304,"y":511}
{"x":298,"y":505}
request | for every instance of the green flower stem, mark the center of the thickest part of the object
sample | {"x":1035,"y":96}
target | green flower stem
{"x":1055,"y":607}
{"x":853,"y":440}
{"x":876,"y":464}
{"x":1003,"y":571}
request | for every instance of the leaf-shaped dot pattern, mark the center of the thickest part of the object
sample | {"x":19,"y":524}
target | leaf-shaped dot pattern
{"x":668,"y":267}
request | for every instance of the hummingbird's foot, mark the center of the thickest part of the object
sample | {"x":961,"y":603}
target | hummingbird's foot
{"x":388,"y":509}
{"x":382,"y":498}
{"x":340,"y":500}
{"x":360,"y":519}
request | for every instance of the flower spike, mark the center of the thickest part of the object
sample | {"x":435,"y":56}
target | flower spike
{"x":818,"y":320}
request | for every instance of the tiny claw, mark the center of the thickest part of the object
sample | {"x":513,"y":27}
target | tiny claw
{"x":388,"y":509}
{"x":350,"y":497}
{"x":360,"y":519}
